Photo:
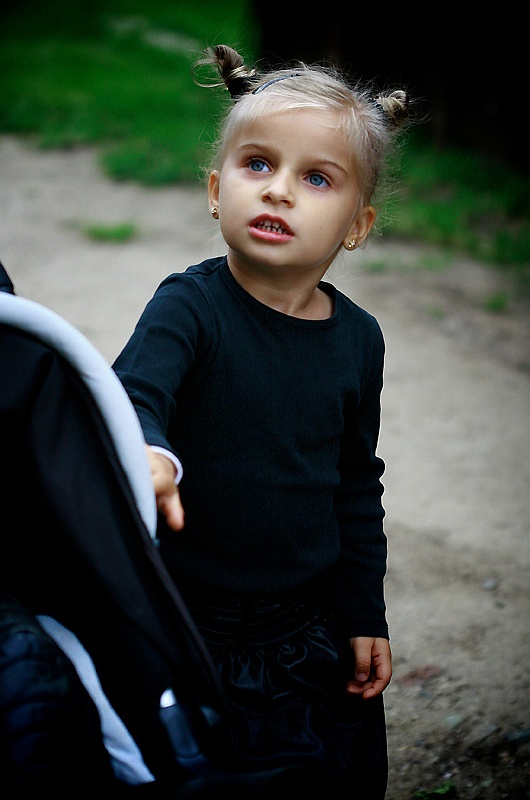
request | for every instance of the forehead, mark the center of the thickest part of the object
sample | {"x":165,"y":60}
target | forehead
{"x":310,"y":131}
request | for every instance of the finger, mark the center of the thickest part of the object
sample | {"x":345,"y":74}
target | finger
{"x":367,"y":689}
{"x":354,"y":687}
{"x":362,"y":649}
{"x":376,"y":685}
{"x":374,"y":688}
{"x":171,"y":507}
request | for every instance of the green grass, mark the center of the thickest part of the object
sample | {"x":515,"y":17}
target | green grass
{"x":447,"y":789}
{"x":117,"y":74}
{"x":497,"y":302}
{"x":116,"y":234}
{"x":465,"y":201}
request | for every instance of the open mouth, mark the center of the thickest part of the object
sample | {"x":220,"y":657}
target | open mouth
{"x":270,"y":225}
{"x":273,"y":228}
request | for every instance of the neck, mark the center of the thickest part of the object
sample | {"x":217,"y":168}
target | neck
{"x":295,"y":298}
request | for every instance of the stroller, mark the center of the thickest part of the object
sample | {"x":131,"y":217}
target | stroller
{"x":105,"y":682}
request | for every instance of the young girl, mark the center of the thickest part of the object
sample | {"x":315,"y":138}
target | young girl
{"x":258,"y":389}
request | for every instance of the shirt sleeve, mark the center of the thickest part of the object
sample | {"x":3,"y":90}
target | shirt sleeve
{"x":170,"y":336}
{"x":360,"y":514}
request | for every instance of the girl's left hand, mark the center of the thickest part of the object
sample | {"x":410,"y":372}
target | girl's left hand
{"x":373,"y":666}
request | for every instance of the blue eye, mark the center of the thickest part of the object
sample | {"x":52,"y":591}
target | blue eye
{"x":315,"y":179}
{"x":257,"y":165}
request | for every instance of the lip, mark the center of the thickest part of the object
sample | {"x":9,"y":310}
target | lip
{"x":270,"y":228}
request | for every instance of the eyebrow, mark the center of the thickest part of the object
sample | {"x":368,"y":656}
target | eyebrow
{"x":254,"y":146}
{"x":331,"y":163}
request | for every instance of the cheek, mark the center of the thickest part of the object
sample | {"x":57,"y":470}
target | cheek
{"x":228,"y":191}
{"x":332,"y":219}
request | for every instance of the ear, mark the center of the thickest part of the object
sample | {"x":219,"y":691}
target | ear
{"x":213,"y":188}
{"x":360,"y":227}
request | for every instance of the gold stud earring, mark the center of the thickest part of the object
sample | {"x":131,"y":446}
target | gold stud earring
{"x":351,"y":245}
{"x":214,"y":212}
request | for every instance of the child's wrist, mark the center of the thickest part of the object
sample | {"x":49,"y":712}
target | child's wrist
{"x":170,"y":457}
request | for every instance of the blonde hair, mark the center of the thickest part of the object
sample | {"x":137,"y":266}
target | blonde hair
{"x":369,"y":122}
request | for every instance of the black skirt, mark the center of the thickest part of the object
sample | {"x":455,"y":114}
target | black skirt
{"x":284,"y":666}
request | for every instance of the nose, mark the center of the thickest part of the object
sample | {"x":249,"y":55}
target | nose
{"x":279,"y":189}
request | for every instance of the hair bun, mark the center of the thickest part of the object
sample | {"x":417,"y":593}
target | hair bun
{"x":232,"y":69}
{"x":395,"y":105}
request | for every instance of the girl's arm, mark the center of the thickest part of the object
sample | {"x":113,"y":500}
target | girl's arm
{"x":360,"y":513}
{"x":151,"y":367}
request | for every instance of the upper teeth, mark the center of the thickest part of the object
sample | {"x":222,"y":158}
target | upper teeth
{"x":269,"y":225}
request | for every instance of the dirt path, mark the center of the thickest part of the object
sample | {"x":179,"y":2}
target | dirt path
{"x":455,"y":437}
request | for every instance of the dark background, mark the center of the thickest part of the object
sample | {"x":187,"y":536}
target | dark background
{"x":463,"y":70}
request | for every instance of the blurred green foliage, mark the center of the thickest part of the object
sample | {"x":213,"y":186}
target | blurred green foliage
{"x":115,"y":234}
{"x":118,"y":74}
{"x":464,"y":200}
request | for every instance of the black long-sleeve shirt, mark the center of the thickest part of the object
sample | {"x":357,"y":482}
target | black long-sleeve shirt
{"x":275,"y":420}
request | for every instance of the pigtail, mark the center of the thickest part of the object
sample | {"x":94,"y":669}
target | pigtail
{"x":236,"y":76}
{"x":396,"y":107}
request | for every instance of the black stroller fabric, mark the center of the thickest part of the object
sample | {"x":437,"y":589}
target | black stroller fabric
{"x":42,"y":704}
{"x":79,"y":546}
